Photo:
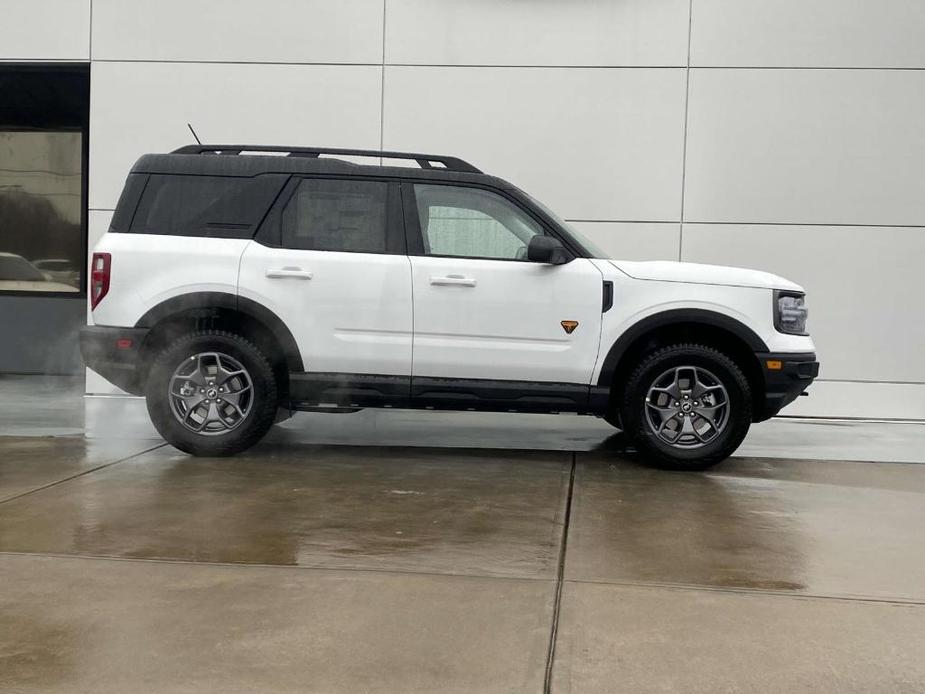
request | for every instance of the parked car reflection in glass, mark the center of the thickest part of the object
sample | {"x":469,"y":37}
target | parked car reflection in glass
{"x":18,"y":274}
{"x":59,"y":270}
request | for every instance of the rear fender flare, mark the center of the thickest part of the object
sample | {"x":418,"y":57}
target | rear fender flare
{"x":206,"y":300}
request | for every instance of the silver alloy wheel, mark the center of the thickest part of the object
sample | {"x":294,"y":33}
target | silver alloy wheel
{"x":687,"y":407}
{"x":211,"y":393}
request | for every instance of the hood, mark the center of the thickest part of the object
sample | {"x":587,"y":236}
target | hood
{"x":695,"y":273}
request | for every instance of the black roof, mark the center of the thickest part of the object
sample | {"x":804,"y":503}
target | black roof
{"x":228,"y":160}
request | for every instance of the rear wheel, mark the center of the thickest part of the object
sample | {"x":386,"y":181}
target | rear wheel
{"x":212,"y":393}
{"x":686,"y":407}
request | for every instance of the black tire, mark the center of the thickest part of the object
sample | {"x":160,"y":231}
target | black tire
{"x":262,"y":401}
{"x":719,"y":437}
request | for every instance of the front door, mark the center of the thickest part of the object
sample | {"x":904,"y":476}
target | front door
{"x":332,"y":265}
{"x":482,"y":310}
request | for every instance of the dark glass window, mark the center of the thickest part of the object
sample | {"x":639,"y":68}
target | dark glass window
{"x":336,"y":215}
{"x":219,"y":206}
{"x":44,"y":113}
{"x":41,"y":233}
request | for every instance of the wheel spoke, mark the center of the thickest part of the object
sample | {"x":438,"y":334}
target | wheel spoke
{"x":665,"y":412}
{"x":236,"y":408}
{"x":709,"y":413}
{"x":665,"y":422}
{"x":700,"y":390}
{"x":708,"y":432}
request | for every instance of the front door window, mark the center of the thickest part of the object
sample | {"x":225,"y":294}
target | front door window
{"x":472,"y":223}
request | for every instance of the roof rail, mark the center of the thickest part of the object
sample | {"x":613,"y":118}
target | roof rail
{"x":425,"y":161}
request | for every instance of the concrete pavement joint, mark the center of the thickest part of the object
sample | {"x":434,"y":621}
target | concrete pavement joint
{"x":560,"y":575}
{"x":659,"y":585}
{"x":81,"y":474}
{"x":245,"y":565}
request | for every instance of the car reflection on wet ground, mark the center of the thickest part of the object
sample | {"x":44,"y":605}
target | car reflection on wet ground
{"x":425,"y":552}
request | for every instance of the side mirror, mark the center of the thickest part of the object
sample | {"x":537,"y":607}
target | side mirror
{"x":547,"y":249}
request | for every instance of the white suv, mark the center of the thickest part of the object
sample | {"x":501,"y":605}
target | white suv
{"x":236,"y":281}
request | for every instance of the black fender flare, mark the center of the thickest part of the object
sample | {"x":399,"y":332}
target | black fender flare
{"x":675,"y":316}
{"x":224,"y":300}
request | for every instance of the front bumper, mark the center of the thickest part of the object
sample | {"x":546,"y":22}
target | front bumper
{"x":114,"y":354}
{"x":785,"y":384}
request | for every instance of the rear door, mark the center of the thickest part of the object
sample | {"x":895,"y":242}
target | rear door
{"x":330,"y":261}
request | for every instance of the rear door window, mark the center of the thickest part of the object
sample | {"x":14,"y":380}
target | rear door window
{"x":337,"y":215}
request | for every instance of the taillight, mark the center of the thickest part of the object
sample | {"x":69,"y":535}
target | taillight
{"x":99,"y":277}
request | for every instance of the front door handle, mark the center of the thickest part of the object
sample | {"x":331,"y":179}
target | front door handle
{"x":458,"y":280}
{"x":289,"y":271}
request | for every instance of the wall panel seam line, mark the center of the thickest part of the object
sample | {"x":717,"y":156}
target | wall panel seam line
{"x":33,"y":59}
{"x":870,"y":382}
{"x":382,"y":87}
{"x":808,"y":67}
{"x":90,"y":33}
{"x":379,"y":63}
{"x":809,"y":224}
{"x":690,"y":222}
{"x":687,"y":101}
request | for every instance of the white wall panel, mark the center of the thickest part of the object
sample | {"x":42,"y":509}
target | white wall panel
{"x":45,"y":30}
{"x":809,"y":33}
{"x":862,"y":289}
{"x":144,"y":107}
{"x":861,"y":400}
{"x":806,"y":146}
{"x":632,"y":240}
{"x":554,"y":32}
{"x":591,"y":143}
{"x":298,"y":31}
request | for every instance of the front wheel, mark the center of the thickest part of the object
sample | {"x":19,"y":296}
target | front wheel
{"x":211,"y":393}
{"x":686,"y":407}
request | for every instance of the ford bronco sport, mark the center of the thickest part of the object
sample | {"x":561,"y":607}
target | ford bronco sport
{"x":240,"y":282}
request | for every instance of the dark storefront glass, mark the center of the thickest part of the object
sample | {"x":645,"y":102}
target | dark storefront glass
{"x":43,"y":152}
{"x":41,"y":236}
{"x":44,"y":117}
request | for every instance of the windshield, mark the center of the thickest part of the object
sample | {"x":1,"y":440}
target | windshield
{"x":585,"y":242}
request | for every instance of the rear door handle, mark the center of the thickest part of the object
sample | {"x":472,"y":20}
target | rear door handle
{"x":458,"y":280}
{"x":289,"y":271}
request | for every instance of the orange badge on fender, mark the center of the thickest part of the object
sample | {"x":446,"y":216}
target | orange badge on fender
{"x":569,"y":326}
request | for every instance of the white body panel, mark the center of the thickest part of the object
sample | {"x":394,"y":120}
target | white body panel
{"x":697,"y":273}
{"x":348,"y":312}
{"x":148,"y":269}
{"x":497,"y":319}
{"x":470,"y":318}
{"x":637,"y":299}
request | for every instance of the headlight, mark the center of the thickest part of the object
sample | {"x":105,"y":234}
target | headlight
{"x":790,"y":313}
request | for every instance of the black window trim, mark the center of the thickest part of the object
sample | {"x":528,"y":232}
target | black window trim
{"x":269,"y":232}
{"x":416,"y":238}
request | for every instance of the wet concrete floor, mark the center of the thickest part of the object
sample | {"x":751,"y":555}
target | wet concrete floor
{"x":565,"y":566}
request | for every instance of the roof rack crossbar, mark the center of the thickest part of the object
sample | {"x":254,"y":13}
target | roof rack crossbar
{"x":425,"y":161}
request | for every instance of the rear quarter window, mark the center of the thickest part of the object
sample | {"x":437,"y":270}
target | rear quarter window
{"x":212,"y":206}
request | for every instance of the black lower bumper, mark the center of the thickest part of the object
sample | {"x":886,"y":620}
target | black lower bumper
{"x":114,"y":354}
{"x":786,"y":376}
